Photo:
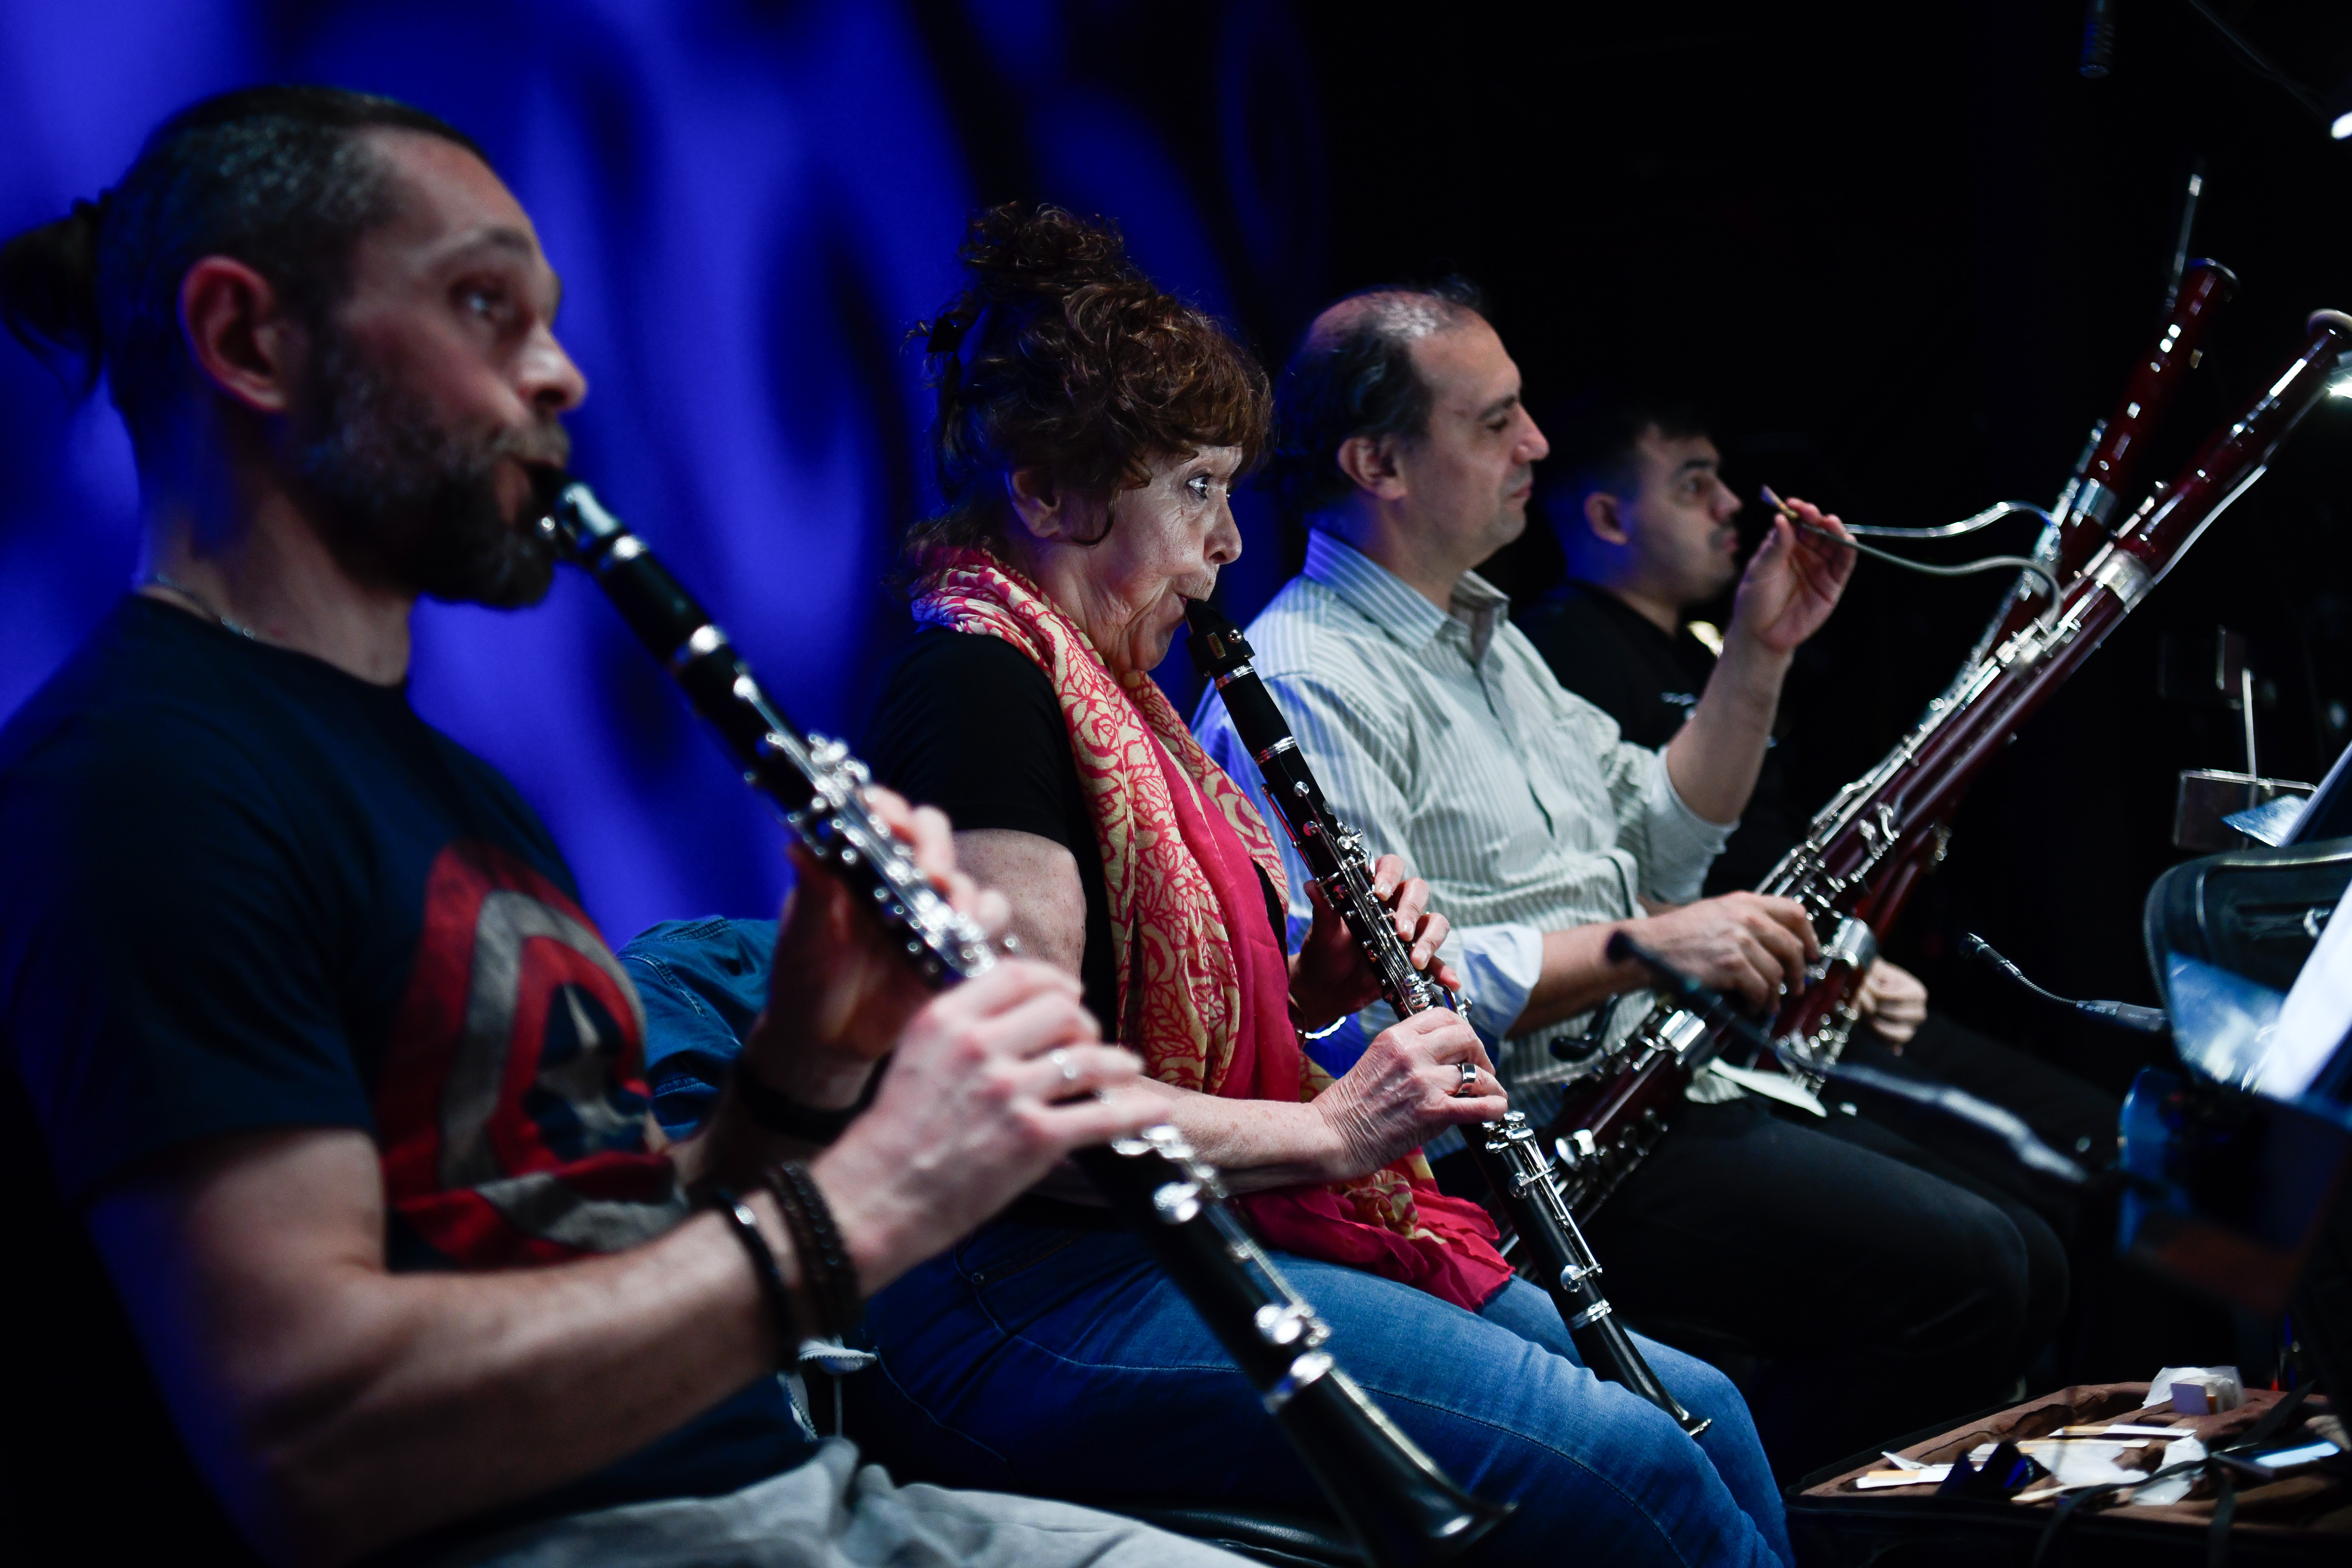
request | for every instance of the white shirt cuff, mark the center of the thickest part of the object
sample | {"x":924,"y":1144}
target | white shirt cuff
{"x":1499,"y":965}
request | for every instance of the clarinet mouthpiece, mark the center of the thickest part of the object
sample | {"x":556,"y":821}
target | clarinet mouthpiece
{"x":1216,"y":644}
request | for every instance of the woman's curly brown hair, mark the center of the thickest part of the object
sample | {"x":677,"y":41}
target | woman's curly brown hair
{"x":1059,"y":353}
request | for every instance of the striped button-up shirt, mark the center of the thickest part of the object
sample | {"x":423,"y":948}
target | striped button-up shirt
{"x":1446,"y":738}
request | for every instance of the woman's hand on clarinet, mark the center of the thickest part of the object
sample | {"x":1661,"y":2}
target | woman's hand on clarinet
{"x":841,"y":989}
{"x":1331,"y":976}
{"x":1407,"y":1088}
{"x":989,"y":1085}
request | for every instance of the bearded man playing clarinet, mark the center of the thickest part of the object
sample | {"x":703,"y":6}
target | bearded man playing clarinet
{"x":349,"y":1234}
{"x":1885,"y":1297}
{"x":1090,"y":427}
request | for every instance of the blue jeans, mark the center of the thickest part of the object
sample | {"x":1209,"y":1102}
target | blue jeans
{"x":1063,"y":1362}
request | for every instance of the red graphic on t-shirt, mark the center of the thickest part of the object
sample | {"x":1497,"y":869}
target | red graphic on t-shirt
{"x":510,"y":1110}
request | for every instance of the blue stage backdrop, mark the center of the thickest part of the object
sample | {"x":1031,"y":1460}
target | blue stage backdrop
{"x":750,"y":203}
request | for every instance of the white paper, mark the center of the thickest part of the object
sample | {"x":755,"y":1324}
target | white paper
{"x":2119,"y":1429}
{"x":2272,"y":820}
{"x":2172,"y":1488}
{"x":1777,"y":1086}
{"x":2328,"y":786}
{"x":2074,"y":1463}
{"x":2317,"y":1013}
{"x":1871,"y":1480}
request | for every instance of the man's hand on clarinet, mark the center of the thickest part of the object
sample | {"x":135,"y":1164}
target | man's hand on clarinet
{"x":991,"y":1084}
{"x":841,"y":988}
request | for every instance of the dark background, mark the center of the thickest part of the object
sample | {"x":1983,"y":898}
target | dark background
{"x":1906,"y":258}
{"x":1908,"y":261}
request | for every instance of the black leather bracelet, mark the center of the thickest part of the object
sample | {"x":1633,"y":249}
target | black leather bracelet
{"x":771,"y":1110}
{"x":746,"y":1225}
{"x":825,"y":1266}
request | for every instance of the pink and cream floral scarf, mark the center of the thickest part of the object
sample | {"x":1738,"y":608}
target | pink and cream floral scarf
{"x":1202,"y":982}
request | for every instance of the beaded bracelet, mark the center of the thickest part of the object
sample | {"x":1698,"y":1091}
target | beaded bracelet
{"x":825,"y":1266}
{"x":746,"y":1226}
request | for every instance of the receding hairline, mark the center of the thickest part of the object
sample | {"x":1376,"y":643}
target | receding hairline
{"x":493,"y":232}
{"x":1400,"y":315}
{"x":390,"y":145}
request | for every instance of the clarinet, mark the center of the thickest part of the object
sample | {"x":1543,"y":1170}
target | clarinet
{"x":1508,"y":1155}
{"x":1866,"y":851}
{"x":1391,"y":1496}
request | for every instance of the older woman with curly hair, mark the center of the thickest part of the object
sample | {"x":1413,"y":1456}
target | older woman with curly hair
{"x":1090,"y":429}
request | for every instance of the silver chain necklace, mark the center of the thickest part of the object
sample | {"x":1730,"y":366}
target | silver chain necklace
{"x":157,"y":580}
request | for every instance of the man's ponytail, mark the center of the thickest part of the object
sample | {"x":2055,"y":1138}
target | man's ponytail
{"x":48,"y":294}
{"x":282,"y":178}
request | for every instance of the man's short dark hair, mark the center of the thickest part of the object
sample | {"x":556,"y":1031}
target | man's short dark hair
{"x":1357,"y":379}
{"x":278,"y":177}
{"x":1596,"y":436}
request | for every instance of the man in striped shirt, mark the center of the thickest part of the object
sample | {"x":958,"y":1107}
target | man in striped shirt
{"x":1885,"y":1295}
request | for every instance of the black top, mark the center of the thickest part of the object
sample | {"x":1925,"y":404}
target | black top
{"x":1616,"y":658}
{"x":249,"y":891}
{"x":968,"y":723}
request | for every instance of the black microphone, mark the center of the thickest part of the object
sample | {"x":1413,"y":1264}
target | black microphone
{"x":2122,"y":1015}
{"x":2098,"y":38}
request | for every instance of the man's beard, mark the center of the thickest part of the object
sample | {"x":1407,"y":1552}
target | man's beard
{"x":412,"y":504}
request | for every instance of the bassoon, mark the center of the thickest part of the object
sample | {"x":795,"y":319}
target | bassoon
{"x":2081,"y":521}
{"x":1866,"y":850}
{"x":1392,"y":1497}
{"x":1509,"y":1156}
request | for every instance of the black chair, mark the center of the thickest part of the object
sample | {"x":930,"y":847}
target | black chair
{"x":1284,"y":1539}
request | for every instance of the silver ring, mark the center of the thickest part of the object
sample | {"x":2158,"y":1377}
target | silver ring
{"x":1061,"y":1060}
{"x":1469,"y":1084}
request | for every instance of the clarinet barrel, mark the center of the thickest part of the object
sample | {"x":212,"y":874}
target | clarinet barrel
{"x":1404,"y":1510}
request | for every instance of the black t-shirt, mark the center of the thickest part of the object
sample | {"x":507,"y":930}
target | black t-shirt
{"x":248,"y":892}
{"x":1618,"y":660}
{"x":968,"y":723}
